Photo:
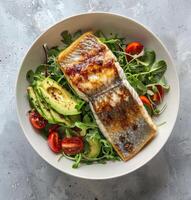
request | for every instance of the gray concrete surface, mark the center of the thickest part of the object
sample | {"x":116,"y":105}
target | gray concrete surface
{"x":23,"y":174}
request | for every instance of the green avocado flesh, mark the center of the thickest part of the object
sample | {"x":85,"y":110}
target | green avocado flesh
{"x":94,"y":147}
{"x":44,"y":110}
{"x":57,"y":97}
{"x":39,"y":106}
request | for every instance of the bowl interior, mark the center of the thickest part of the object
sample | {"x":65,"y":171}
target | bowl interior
{"x":107,"y":23}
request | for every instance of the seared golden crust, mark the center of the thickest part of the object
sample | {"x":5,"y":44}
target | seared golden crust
{"x":62,"y":57}
{"x":92,"y":78}
{"x":89,"y":65}
{"x":123,"y":121}
{"x":117,"y":108}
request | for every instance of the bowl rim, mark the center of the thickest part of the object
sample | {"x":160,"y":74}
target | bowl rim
{"x":175,"y":77}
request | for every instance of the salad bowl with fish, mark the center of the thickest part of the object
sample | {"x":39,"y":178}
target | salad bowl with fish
{"x":97,"y":95}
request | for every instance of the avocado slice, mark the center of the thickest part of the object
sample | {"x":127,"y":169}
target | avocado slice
{"x":56,"y":116}
{"x":60,"y":118}
{"x":75,"y":118}
{"x":58,"y":97}
{"x":39,"y":106}
{"x":94,"y":147}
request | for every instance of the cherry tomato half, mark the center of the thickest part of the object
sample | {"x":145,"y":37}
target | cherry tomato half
{"x":158,"y":96}
{"x":133,"y":48}
{"x":37,"y":120}
{"x":145,"y":100}
{"x":73,"y":145}
{"x":147,"y":104}
{"x":54,"y":142}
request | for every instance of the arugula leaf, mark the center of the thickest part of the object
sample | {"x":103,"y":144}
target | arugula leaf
{"x":76,"y":35}
{"x":85,"y":126}
{"x":41,"y":69}
{"x":86,"y":118}
{"x":30,"y":76}
{"x":109,"y":41}
{"x":162,"y":82}
{"x":100,"y":33}
{"x":87,"y":108}
{"x":77,"y":158}
{"x":136,"y":68}
{"x":148,"y":58}
{"x":107,"y":148}
{"x":54,"y":51}
{"x":80,"y":104}
{"x":157,"y":70}
{"x":93,"y":134}
{"x":138,"y":85}
{"x":66,"y":38}
{"x":159,"y":67}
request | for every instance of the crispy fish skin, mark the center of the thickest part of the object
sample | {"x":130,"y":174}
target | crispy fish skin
{"x":89,"y":66}
{"x":96,"y":76}
{"x":123,"y":120}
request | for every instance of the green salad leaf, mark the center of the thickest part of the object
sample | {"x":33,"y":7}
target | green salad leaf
{"x":85,"y":127}
{"x":30,"y":76}
{"x":148,"y":58}
{"x":66,"y":38}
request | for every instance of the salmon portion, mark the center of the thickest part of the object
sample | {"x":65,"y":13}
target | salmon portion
{"x":94,"y":73}
{"x":89,"y":66}
{"x":123,"y":120}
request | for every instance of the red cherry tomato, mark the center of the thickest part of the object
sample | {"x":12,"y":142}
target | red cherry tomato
{"x":133,"y":48}
{"x":147,"y":104}
{"x":158,"y":96}
{"x":73,"y":145}
{"x":145,"y":100}
{"x":54,"y":142}
{"x":37,"y":120}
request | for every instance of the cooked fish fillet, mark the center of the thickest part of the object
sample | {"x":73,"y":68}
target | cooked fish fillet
{"x":123,"y":120}
{"x":94,"y":73}
{"x":89,"y":66}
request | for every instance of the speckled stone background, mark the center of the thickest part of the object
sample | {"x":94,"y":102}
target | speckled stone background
{"x":23,"y":174}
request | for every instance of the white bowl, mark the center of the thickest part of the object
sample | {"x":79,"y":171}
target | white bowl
{"x":108,"y":23}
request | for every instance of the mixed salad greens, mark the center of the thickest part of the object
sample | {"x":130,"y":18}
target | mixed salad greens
{"x":73,"y":132}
